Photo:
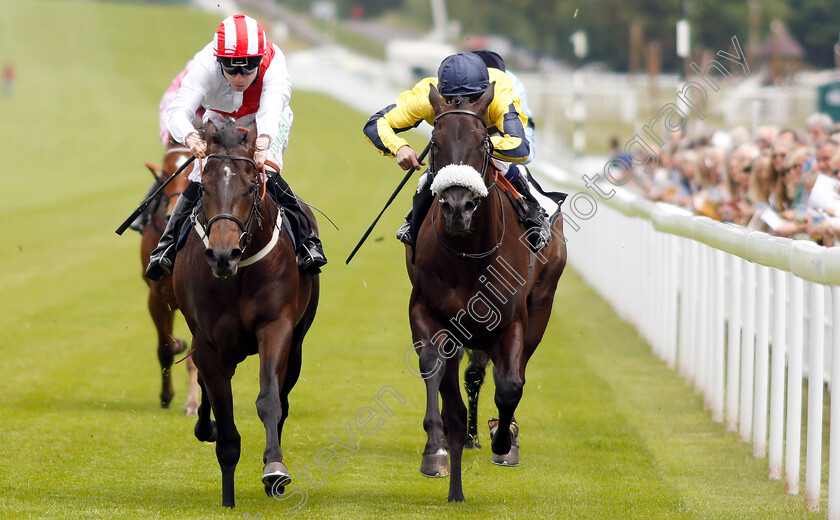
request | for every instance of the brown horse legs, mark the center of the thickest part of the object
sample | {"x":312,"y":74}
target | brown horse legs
{"x":473,"y":380}
{"x":455,"y":418}
{"x":205,"y":427}
{"x":168,"y":345}
{"x":276,"y":364}
{"x":510,"y":379}
{"x":216,"y":386}
{"x":434,"y":463}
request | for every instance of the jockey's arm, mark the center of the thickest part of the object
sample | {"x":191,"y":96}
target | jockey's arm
{"x":411,"y":108}
{"x":507,"y":122}
{"x":194,"y":87}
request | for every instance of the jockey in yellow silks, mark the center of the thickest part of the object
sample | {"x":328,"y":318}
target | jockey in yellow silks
{"x":462,"y":74}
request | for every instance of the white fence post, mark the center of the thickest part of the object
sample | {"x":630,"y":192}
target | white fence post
{"x":761,"y":363}
{"x":794,"y":400}
{"x":813,"y":457}
{"x":748,"y":356}
{"x":718,"y":328}
{"x":777,"y":376}
{"x":733,"y":384}
{"x":834,"y":429}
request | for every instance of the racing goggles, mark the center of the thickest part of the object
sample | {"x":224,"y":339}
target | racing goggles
{"x":245,"y":65}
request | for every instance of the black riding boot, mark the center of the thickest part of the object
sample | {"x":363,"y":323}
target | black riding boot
{"x":310,"y":252}
{"x":536,"y":219}
{"x":143,"y":218}
{"x":420,"y":205}
{"x":162,"y":259}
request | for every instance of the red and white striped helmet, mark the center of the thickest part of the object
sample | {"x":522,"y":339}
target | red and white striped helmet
{"x":239,"y":36}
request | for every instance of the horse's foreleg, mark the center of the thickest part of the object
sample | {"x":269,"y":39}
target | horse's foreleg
{"x":434,"y":462}
{"x":455,"y":418}
{"x":510,"y":380}
{"x":163,"y":318}
{"x":274,"y":347}
{"x":473,"y":379}
{"x":205,"y":428}
{"x":216,"y":380}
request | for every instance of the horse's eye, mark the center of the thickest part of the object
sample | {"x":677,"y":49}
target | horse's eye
{"x":469,"y":206}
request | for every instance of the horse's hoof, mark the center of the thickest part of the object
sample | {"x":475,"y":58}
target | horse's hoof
{"x":435,"y":465}
{"x":275,"y":477}
{"x":472,"y":443}
{"x":164,"y":404}
{"x":456,"y":498}
{"x":191,"y":410}
{"x":510,"y":459}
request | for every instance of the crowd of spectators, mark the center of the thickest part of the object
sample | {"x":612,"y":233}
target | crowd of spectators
{"x":781,"y":180}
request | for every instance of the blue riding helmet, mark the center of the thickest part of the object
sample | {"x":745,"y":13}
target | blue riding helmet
{"x":491,"y":59}
{"x":462,"y":74}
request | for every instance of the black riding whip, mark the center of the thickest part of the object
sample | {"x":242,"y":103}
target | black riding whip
{"x":390,"y":200}
{"x":142,"y":207}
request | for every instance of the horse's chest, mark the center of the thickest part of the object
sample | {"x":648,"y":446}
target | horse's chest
{"x":476,"y":310}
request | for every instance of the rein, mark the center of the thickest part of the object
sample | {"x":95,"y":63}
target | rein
{"x":487,"y":157}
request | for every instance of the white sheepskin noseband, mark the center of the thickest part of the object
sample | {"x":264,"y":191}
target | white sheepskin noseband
{"x":459,"y":175}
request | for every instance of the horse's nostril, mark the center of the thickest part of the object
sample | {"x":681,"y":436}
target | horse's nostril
{"x":223,"y":258}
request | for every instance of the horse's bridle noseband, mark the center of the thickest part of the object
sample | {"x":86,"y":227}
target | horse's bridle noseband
{"x":245,"y":237}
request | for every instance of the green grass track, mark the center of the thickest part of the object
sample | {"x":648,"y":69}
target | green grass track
{"x":607,"y":431}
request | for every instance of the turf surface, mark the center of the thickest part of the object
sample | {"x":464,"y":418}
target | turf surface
{"x":607,"y":431}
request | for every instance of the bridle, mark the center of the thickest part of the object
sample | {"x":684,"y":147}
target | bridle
{"x":485,"y":143}
{"x":259,"y":195}
{"x":487,"y":157}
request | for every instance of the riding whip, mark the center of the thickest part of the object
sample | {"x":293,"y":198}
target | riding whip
{"x":390,"y":200}
{"x":142,"y":207}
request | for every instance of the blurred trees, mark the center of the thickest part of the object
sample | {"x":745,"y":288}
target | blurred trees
{"x":545,"y":27}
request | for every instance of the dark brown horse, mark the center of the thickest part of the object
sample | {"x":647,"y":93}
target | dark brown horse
{"x":161,"y":301}
{"x":240,"y":290}
{"x":477,"y":285}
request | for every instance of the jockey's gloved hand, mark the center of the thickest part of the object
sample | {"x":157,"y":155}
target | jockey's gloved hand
{"x":196,"y":144}
{"x":261,"y":150}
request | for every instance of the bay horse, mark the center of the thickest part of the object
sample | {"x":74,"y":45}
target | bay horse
{"x":161,"y":300}
{"x":238,"y":285}
{"x":475,"y":284}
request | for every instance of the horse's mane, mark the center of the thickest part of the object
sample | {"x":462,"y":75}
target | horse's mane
{"x":229,"y":136}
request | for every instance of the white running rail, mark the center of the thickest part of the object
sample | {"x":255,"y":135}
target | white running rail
{"x":728,"y":307}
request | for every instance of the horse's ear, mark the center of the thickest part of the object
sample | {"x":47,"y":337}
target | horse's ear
{"x":154,"y":169}
{"x":435,"y":99}
{"x":209,"y":130}
{"x":251,"y":137}
{"x":484,"y":101}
